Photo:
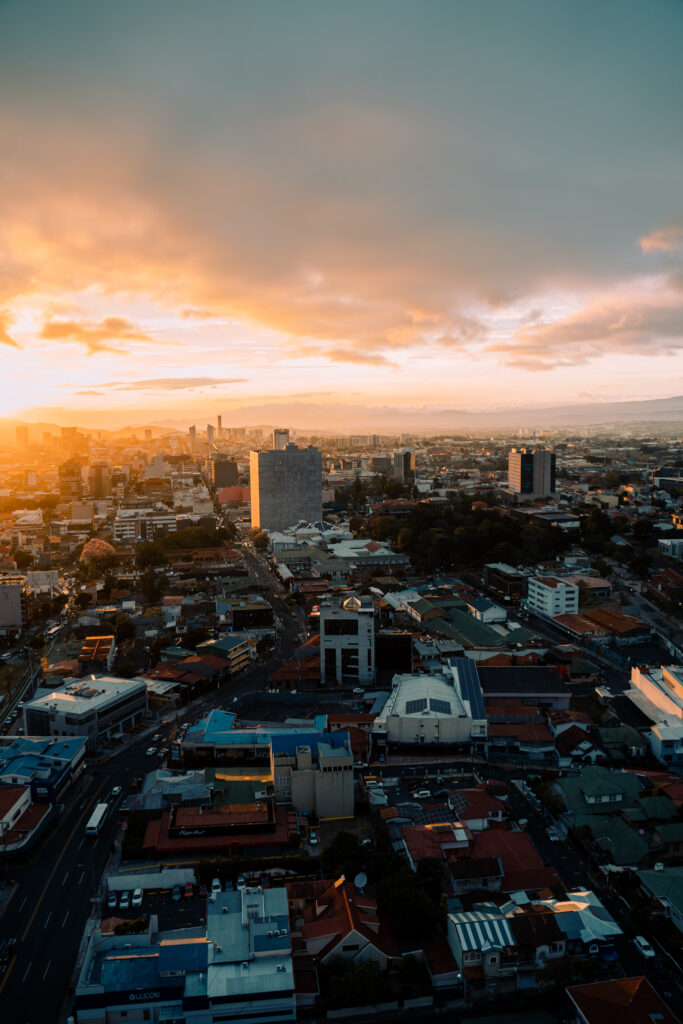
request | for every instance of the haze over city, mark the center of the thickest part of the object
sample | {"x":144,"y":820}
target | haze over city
{"x":320,"y":207}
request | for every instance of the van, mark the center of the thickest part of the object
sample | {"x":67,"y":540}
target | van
{"x":216,"y":887}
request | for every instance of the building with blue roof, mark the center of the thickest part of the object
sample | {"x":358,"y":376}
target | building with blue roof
{"x":238,"y":967}
{"x":47,"y":765}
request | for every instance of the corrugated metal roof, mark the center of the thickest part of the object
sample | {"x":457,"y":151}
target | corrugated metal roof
{"x":478,"y":930}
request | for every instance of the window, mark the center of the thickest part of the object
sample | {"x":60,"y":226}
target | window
{"x":352,"y":946}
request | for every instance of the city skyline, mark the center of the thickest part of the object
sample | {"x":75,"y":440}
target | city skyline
{"x":331,"y":208}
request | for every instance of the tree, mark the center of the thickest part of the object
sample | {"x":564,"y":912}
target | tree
{"x":151,"y":585}
{"x":24,"y":559}
{"x":83,"y":599}
{"x":261,"y":541}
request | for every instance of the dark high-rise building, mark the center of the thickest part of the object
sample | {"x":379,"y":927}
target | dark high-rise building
{"x":531,"y":472}
{"x":224,"y":472}
{"x":70,"y":479}
{"x":404,"y":467}
{"x":286,"y":487}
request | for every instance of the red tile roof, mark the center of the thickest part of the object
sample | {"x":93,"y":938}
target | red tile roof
{"x":622,"y":1001}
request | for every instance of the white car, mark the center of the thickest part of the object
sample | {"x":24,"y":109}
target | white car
{"x":241,"y":883}
{"x":552,"y":835}
{"x":216,"y":887}
{"x":124,"y":902}
{"x":421,"y":794}
{"x":151,"y":750}
{"x":116,"y":791}
{"x":644,"y":947}
{"x":137,"y":898}
{"x":313,"y":838}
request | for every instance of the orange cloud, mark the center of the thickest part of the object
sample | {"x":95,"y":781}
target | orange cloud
{"x":95,"y":336}
{"x":668,"y":239}
{"x":6,"y":320}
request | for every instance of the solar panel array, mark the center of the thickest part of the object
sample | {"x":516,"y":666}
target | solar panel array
{"x":441,"y":706}
{"x":470,"y":687}
{"x":458,"y":802}
{"x":413,"y":707}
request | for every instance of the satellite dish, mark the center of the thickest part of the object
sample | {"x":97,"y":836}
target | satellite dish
{"x":360,"y":881}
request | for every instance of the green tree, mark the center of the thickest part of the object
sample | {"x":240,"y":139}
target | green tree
{"x":261,"y":541}
{"x":83,"y":599}
{"x":24,"y":559}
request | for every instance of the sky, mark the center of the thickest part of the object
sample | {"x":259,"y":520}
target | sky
{"x":235,"y":206}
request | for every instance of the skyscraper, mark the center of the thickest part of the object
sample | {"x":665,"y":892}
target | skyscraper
{"x":219,"y":427}
{"x":224,"y":472}
{"x":404,"y":467}
{"x":280,"y":439}
{"x":531,"y":473}
{"x":210,"y":433}
{"x":286,"y":487}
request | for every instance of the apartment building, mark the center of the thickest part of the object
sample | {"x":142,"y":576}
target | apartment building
{"x":550,"y":596}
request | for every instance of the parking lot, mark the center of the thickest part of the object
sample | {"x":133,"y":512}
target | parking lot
{"x":171,"y":913}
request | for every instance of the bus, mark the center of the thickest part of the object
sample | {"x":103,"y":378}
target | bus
{"x":96,"y":820}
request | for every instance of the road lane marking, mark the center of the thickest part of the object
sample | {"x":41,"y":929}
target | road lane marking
{"x":7,"y":974}
{"x":65,"y":917}
{"x":25,"y":900}
{"x":46,"y":969}
{"x":81,"y":878}
{"x":57,"y":863}
{"x":26,"y":972}
{"x":65,"y":877}
{"x":81,"y":843}
{"x":47,"y":919}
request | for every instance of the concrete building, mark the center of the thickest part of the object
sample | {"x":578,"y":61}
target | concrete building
{"x":12,"y":603}
{"x":347,"y":642}
{"x":210,"y":434}
{"x":237,"y":967}
{"x":99,"y":478}
{"x":314,"y":773}
{"x":70,"y":479}
{"x":423,"y":710}
{"x":96,"y":708}
{"x":404,"y":467}
{"x":286,"y":487}
{"x":531,"y":473}
{"x":551,"y":596}
{"x":280,"y":439}
{"x":224,"y":471}
{"x":142,"y":524}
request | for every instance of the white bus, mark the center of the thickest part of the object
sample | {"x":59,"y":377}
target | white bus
{"x":96,"y":820}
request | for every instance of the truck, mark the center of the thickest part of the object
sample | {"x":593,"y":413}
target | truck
{"x":96,"y":820}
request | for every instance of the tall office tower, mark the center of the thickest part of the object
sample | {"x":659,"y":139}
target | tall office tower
{"x":148,"y":435}
{"x":286,"y":487}
{"x":280,"y":439}
{"x":219,"y":427}
{"x":22,"y":436}
{"x":224,"y":471}
{"x":531,"y":472}
{"x":99,"y":477}
{"x":210,"y":433}
{"x":193,"y":438}
{"x":70,"y":479}
{"x":347,"y":641}
{"x":404,"y":467}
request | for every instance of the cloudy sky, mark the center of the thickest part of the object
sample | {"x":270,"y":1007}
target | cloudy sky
{"x":231,"y":203}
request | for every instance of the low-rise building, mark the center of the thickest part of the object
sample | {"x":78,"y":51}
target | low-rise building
{"x":549,"y":596}
{"x":97,"y":708}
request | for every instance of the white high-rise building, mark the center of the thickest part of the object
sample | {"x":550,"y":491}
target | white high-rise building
{"x":347,"y":642}
{"x":286,"y":487}
{"x":280,"y":439}
{"x":552,"y":596}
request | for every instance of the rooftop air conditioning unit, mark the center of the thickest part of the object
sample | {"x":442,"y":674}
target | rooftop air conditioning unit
{"x":281,"y":967}
{"x":225,"y":910}
{"x":245,"y":966}
{"x":270,"y":935}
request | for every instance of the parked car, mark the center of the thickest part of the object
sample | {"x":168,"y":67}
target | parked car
{"x":137,"y":898}
{"x":112,"y":900}
{"x":176,"y":894}
{"x":189,"y":891}
{"x":421,"y":794}
{"x":116,"y":791}
{"x":216,"y":887}
{"x":644,"y":947}
{"x":241,"y":883}
{"x":552,"y":835}
{"x":124,"y":902}
{"x":313,"y":838}
{"x":203,"y":891}
{"x":151,"y":750}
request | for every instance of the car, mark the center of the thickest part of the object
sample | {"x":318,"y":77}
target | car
{"x":241,"y":883}
{"x":421,"y":794}
{"x":189,"y":891}
{"x":313,"y":838}
{"x":8,"y":720}
{"x":156,"y":737}
{"x":137,"y":898}
{"x":216,"y":887}
{"x":116,"y":791}
{"x":203,"y":891}
{"x":176,"y":893}
{"x":552,"y":835}
{"x":644,"y":947}
{"x":113,"y":900}
{"x":124,"y":902}
{"x":151,"y":750}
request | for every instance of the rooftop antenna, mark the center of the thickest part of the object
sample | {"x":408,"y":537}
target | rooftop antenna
{"x":360,"y":881}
